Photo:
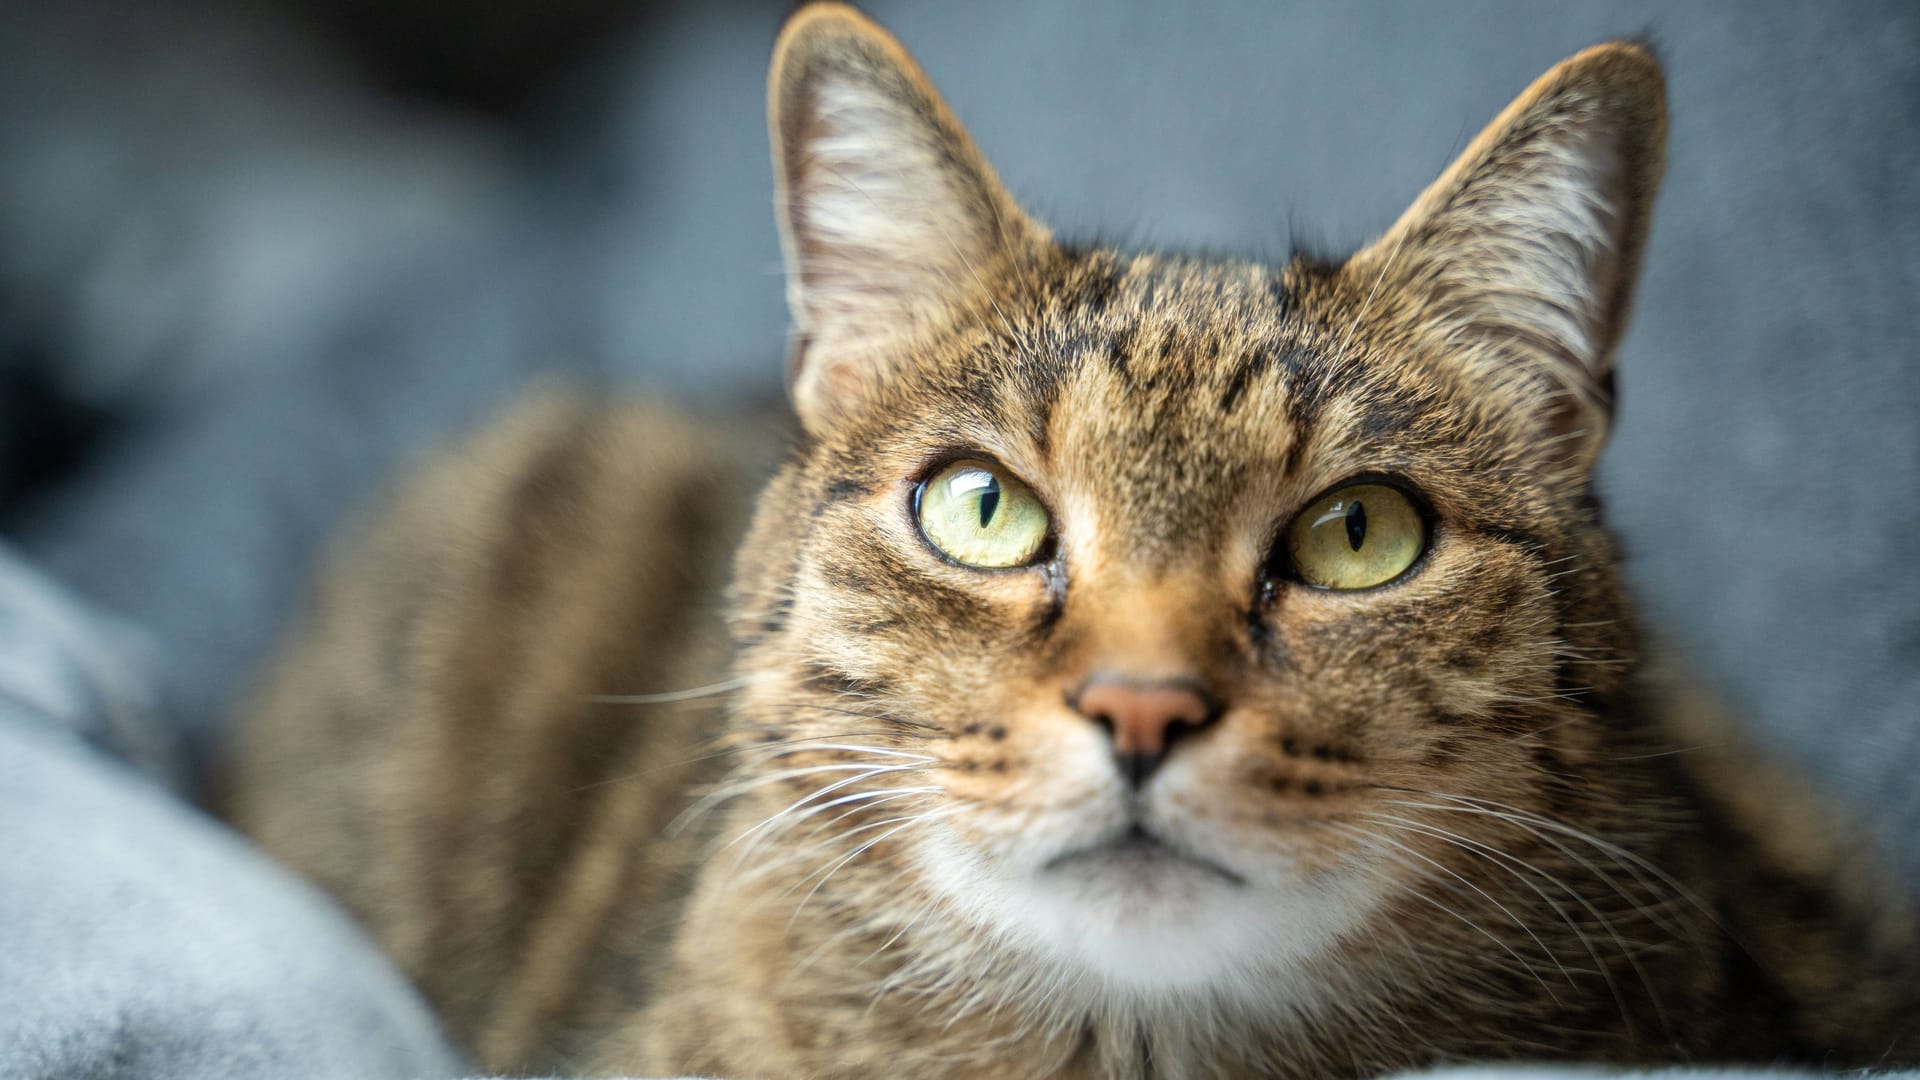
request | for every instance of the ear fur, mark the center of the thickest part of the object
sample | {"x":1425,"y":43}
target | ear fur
{"x":890,"y":219}
{"x":1523,"y":254}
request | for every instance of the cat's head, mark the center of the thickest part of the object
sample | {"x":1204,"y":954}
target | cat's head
{"x":1152,"y":613}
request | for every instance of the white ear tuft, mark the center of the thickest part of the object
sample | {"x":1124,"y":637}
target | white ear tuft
{"x":1526,"y":248}
{"x":890,"y":219}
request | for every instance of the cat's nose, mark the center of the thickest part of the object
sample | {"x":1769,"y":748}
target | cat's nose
{"x":1144,"y":718}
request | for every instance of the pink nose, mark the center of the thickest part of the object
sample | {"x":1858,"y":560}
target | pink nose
{"x":1144,"y":718}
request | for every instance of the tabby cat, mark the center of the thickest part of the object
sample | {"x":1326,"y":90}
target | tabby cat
{"x":1141,"y":666}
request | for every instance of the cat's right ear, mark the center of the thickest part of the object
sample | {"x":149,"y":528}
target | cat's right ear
{"x":891,"y":221}
{"x":1522,"y":256}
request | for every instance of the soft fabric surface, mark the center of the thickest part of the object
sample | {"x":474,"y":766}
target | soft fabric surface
{"x":142,"y":939}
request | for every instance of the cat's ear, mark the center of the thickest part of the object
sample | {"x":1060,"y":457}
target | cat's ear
{"x":1523,"y":254}
{"x":890,"y":219}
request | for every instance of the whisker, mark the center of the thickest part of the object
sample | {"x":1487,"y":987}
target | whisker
{"x":1380,"y":279}
{"x":758,"y":780}
{"x":670,"y":696}
{"x":787,"y":818}
{"x":1628,"y":860}
{"x":1372,"y":841}
{"x":761,"y":747}
{"x":908,"y":822}
{"x":1644,"y":908}
{"x":1489,"y":898}
{"x":862,"y":771}
{"x":1509,"y":862}
{"x":852,"y":747}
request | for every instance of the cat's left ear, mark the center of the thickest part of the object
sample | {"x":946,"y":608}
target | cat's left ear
{"x":1522,"y":256}
{"x":892,"y":222}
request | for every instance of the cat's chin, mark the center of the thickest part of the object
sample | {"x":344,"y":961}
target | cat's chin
{"x":1148,"y":919}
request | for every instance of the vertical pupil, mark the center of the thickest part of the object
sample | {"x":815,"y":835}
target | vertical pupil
{"x":990,"y":501}
{"x":1356,"y":524}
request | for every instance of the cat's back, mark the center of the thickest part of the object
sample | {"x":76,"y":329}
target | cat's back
{"x":437,"y":749}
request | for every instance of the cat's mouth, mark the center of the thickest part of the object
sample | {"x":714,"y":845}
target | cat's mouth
{"x":1138,"y":845}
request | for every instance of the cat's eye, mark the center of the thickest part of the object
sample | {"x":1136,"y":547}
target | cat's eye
{"x":981,"y":515}
{"x":1356,"y":537}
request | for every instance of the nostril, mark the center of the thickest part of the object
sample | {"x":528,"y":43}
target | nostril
{"x":1144,"y":719}
{"x":1177,"y":729}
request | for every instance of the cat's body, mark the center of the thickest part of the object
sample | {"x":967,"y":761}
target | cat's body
{"x":1445,"y":815}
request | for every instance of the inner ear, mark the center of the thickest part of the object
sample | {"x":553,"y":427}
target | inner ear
{"x":892,"y":223}
{"x":1521,"y":257}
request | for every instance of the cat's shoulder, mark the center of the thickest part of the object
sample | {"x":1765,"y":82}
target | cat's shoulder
{"x":1811,"y":912}
{"x":453,"y":717}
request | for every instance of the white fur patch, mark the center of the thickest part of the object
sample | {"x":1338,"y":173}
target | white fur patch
{"x":884,"y":225}
{"x":1147,"y":928}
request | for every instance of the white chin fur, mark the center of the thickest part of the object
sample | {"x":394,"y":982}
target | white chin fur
{"x":1153,"y":928}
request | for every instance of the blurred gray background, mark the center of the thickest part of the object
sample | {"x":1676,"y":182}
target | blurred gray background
{"x":253,"y":256}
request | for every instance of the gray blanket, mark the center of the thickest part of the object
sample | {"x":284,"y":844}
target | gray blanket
{"x":141,"y":938}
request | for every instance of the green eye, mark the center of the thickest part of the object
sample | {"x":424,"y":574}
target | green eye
{"x":1356,"y":537}
{"x":978,"y":514}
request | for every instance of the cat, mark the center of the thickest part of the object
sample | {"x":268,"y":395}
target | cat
{"x":1133,"y":665}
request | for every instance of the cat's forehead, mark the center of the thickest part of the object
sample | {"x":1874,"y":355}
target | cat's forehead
{"x":1143,"y":360}
{"x":1182,"y":383}
{"x":1215,"y":363}
{"x":1179,"y":318}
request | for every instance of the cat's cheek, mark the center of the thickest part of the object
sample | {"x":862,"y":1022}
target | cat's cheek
{"x":1219,"y":803}
{"x":1048,"y":788}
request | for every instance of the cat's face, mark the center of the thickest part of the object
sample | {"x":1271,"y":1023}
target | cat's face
{"x":1154,"y":612}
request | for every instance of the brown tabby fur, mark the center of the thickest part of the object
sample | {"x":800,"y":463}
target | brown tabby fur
{"x":1537,"y":854}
